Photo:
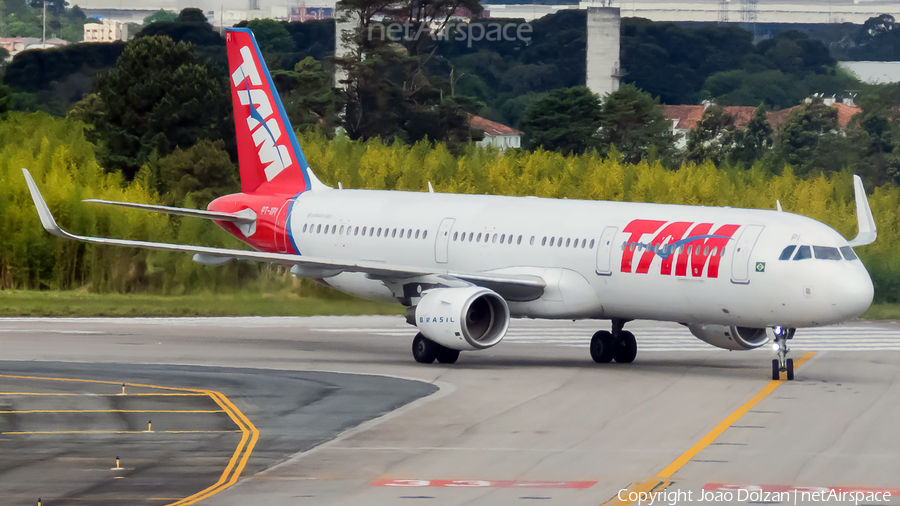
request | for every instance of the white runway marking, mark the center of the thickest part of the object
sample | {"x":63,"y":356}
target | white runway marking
{"x":671,"y":338}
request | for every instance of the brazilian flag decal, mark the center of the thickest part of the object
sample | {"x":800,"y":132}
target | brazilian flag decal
{"x":760,"y":267}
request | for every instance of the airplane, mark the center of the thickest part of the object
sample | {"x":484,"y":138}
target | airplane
{"x":464,"y":265}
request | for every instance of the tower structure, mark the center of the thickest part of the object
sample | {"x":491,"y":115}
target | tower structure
{"x":603,"y":33}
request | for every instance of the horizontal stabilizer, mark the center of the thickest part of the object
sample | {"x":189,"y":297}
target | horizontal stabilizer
{"x":246,"y":216}
{"x":867,"y":232}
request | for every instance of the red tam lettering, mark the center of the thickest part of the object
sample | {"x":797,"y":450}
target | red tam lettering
{"x":637,"y":229}
{"x":673,"y":232}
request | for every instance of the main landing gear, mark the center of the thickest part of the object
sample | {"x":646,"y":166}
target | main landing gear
{"x":619,"y":345}
{"x":782,"y":363}
{"x":425,"y":351}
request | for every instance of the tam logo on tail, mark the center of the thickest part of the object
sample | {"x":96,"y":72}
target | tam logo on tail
{"x":270,"y":157}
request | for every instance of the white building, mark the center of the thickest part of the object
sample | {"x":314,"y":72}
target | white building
{"x":496,"y":134}
{"x":106,"y":31}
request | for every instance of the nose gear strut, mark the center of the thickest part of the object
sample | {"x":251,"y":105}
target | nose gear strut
{"x":782,"y":363}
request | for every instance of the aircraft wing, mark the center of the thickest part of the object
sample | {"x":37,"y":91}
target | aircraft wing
{"x":514,"y":285}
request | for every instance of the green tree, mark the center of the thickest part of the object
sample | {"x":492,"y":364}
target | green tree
{"x":200,"y":173}
{"x":633,"y":121}
{"x":4,"y":99}
{"x":308,"y":95}
{"x":160,"y":15}
{"x":755,"y":141}
{"x":565,"y":120}
{"x":713,"y":138}
{"x":800,"y":134}
{"x":272,"y":36}
{"x":191,"y":15}
{"x":156,"y":97}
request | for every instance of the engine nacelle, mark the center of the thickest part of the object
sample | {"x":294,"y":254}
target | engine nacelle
{"x":468,"y":318}
{"x":730,"y":338}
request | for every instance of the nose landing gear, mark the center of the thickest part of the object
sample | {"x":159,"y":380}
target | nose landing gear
{"x":782,"y":363}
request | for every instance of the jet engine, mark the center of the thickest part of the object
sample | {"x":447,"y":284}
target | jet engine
{"x":467,"y":318}
{"x":730,"y":338}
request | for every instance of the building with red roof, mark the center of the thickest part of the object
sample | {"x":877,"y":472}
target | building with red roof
{"x":496,"y":134}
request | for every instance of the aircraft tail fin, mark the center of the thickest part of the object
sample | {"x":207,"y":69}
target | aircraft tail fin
{"x":270,"y":158}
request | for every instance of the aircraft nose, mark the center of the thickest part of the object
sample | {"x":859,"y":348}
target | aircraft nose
{"x":854,"y":293}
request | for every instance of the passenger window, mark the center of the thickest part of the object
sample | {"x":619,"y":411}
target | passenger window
{"x":706,"y":251}
{"x":401,"y":232}
{"x":544,"y":241}
{"x":304,"y":226}
{"x":487,"y":237}
{"x":409,"y":233}
{"x":356,"y":231}
{"x":342,"y":230}
{"x":371,"y":231}
{"x":319,"y":229}
{"x":583,"y":243}
{"x":424,"y":234}
{"x":551,"y":241}
{"x":786,"y":253}
{"x":591,"y":245}
{"x":848,"y":252}
{"x":568,"y":241}
{"x":478,"y":238}
{"x":826,"y":253}
{"x":803,"y":252}
{"x":518,"y":241}
{"x":394,"y":233}
{"x":502,"y":238}
{"x":379,"y":232}
{"x":417,"y":233}
{"x":454,"y":235}
{"x":715,"y":250}
{"x":495,"y":238}
{"x":531,"y":242}
{"x":722,"y":252}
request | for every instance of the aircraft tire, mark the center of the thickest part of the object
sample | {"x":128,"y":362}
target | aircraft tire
{"x":776,"y":373}
{"x":447,"y":355}
{"x":424,"y":350}
{"x":626,"y":348}
{"x":790,"y":369}
{"x":603,"y":347}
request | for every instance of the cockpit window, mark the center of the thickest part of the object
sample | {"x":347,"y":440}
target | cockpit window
{"x":786,"y":254}
{"x":803,"y":252}
{"x":848,"y":252}
{"x":826,"y":253}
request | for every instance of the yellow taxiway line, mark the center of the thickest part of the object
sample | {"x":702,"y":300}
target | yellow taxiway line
{"x":249,"y":432}
{"x":662,"y":479}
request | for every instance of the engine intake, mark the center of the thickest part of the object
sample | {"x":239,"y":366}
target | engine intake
{"x":730,"y":338}
{"x":468,"y":318}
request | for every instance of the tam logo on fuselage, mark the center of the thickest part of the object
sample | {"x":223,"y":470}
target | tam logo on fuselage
{"x":681,"y":242}
{"x":262,"y":121}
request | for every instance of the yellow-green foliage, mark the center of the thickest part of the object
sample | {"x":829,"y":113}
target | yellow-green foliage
{"x":63,"y":165}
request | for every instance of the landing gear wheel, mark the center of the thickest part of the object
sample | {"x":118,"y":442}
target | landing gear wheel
{"x":790,"y":369}
{"x":626,"y":348}
{"x":424,"y":350}
{"x":776,"y":371}
{"x":447,"y":355}
{"x":603,"y":347}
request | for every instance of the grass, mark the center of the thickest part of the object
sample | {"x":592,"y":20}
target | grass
{"x":84,"y":304}
{"x":882,"y":312}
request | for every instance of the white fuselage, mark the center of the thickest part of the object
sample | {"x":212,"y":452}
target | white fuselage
{"x":586,"y":277}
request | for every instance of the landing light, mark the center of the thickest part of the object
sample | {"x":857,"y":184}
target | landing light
{"x":778,"y":330}
{"x":776,"y":347}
